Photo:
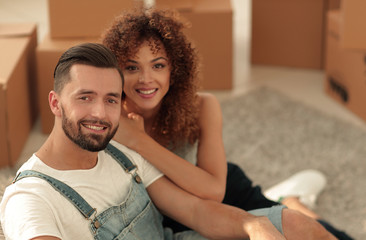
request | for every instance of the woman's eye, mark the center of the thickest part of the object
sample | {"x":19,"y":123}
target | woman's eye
{"x":159,"y":65}
{"x":131,"y":68}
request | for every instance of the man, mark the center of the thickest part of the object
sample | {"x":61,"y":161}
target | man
{"x":72,"y":188}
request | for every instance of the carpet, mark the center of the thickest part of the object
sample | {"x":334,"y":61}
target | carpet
{"x":272,"y":137}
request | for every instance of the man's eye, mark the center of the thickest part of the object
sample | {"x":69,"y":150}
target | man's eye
{"x":112,"y":101}
{"x":84,"y":98}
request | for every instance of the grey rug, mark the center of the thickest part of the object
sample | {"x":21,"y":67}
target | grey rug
{"x":272,"y":137}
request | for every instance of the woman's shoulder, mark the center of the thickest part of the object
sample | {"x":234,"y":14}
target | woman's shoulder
{"x":206,"y":95}
{"x":207,"y":98}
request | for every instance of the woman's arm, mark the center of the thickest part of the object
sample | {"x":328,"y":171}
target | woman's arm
{"x":207,"y":180}
{"x":211,"y":219}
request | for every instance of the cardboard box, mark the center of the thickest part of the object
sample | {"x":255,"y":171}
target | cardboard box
{"x":287,"y":33}
{"x":47,"y":55}
{"x":332,"y":5}
{"x":353,"y":22}
{"x":345,"y":70}
{"x":17,"y":84}
{"x":84,"y":18}
{"x":211,"y":33}
{"x":176,"y":4}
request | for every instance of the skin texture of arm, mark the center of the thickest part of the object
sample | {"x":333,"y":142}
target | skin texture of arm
{"x":45,"y":238}
{"x":207,"y":180}
{"x":211,"y":219}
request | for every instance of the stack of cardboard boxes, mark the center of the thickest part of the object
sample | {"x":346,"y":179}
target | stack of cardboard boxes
{"x":74,"y":22}
{"x":18,"y":106}
{"x":289,"y":33}
{"x":345,"y":66}
{"x":71,"y":23}
{"x":315,"y":34}
{"x":211,"y":32}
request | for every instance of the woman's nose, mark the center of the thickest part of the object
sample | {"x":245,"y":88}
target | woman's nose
{"x":144,"y":77}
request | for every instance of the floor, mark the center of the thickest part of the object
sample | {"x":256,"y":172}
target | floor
{"x":303,"y":85}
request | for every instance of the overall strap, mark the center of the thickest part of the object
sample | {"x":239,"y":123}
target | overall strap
{"x":78,"y":201}
{"x":121,"y":158}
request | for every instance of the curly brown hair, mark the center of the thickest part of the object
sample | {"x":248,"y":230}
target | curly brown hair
{"x":177,"y":120}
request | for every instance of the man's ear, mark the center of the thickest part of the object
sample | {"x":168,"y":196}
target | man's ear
{"x":54,"y":102}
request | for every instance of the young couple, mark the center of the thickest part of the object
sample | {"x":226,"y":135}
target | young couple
{"x":72,"y":188}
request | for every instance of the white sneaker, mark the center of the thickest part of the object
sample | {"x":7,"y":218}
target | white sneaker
{"x":306,"y":185}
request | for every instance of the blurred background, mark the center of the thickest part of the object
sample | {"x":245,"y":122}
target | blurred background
{"x":312,"y":51}
{"x":243,"y":44}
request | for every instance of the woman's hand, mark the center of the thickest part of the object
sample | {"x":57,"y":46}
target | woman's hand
{"x":130,"y":130}
{"x":137,"y":121}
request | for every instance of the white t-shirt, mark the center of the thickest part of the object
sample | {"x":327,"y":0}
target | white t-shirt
{"x":32,"y":207}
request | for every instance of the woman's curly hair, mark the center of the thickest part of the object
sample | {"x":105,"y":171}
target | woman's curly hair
{"x":177,"y":121}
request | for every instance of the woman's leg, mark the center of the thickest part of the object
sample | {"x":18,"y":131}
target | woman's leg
{"x":241,"y":193}
{"x":294,"y":203}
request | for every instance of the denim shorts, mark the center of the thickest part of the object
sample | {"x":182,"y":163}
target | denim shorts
{"x":274,"y":214}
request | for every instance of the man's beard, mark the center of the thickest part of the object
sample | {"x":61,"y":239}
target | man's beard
{"x":91,"y":142}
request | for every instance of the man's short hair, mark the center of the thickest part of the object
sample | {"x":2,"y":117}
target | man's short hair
{"x":92,"y":54}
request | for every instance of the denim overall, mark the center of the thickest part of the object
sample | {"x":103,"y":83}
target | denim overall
{"x":135,"y":218}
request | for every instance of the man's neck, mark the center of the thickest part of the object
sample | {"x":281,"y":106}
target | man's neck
{"x":60,"y":153}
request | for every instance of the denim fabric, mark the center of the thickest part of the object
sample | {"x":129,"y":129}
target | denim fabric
{"x":240,"y":193}
{"x":274,"y":214}
{"x":135,"y":218}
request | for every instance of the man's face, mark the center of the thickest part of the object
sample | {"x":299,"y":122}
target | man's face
{"x":90,"y":106}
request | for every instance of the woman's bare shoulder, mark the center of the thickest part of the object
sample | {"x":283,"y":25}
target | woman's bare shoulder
{"x":206,"y":97}
{"x":209,"y":104}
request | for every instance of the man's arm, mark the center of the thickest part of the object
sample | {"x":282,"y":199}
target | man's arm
{"x":209,"y":218}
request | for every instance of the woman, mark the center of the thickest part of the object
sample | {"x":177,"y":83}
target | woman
{"x":170,"y":123}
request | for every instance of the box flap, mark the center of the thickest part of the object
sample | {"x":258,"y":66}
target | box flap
{"x":180,"y":5}
{"x":13,"y":41}
{"x":84,"y":18}
{"x":62,"y":44}
{"x":11,"y":50}
{"x":10,"y":30}
{"x":213,"y":5}
{"x":334,"y":23}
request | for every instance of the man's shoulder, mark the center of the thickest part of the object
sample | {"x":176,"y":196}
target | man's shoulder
{"x":131,"y":154}
{"x":32,"y":162}
{"x":147,"y":171}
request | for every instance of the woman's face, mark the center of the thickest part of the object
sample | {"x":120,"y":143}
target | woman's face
{"x":147,"y":78}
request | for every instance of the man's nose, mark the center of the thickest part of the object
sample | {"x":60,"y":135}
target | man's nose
{"x":98,"y":110}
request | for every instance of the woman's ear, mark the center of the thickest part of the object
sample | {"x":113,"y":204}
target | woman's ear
{"x":54,"y":102}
